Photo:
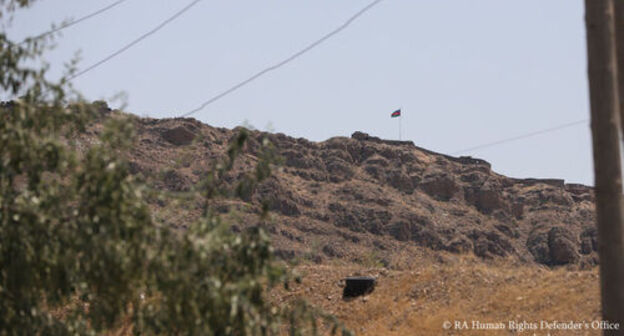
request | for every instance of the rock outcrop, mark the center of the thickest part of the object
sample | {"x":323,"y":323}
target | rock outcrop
{"x":179,"y":135}
{"x":345,"y":197}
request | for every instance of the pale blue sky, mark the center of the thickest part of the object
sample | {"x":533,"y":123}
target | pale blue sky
{"x":465,"y":72}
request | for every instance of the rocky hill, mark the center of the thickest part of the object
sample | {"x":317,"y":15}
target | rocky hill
{"x":367,"y":200}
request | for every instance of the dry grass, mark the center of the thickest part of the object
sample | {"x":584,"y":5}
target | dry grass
{"x":419,"y":301}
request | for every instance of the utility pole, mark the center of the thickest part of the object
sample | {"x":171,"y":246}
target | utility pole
{"x":605,"y":124}
{"x":619,"y":54}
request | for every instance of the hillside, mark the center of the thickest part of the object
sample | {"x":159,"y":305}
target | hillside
{"x":447,"y":238}
{"x":364,"y":199}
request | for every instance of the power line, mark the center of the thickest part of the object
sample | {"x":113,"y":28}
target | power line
{"x":136,"y":41}
{"x":69,"y":24}
{"x":519,"y":137}
{"x":285,"y":61}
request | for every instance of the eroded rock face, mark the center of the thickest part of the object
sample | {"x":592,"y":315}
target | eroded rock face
{"x":538,"y":246}
{"x":517,"y":210}
{"x":277,"y":198}
{"x":401,"y":230}
{"x":338,"y":170}
{"x":589,"y":240}
{"x":562,"y":246}
{"x":368,"y":194}
{"x":556,"y":246}
{"x":440,"y":186}
{"x":548,"y":196}
{"x":490,"y":243}
{"x":361,"y":219}
{"x":400,"y":181}
{"x":485,"y":199}
{"x":297,"y":159}
{"x":428,"y":237}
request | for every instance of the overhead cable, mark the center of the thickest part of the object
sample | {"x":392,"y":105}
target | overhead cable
{"x":74,"y":22}
{"x":284,"y":61}
{"x":135,"y":41}
{"x":519,"y":137}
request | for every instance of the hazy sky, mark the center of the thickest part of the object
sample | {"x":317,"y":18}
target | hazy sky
{"x":464,"y":72}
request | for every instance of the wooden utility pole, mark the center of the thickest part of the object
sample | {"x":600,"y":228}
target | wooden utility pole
{"x":605,"y":124}
{"x":619,"y":52}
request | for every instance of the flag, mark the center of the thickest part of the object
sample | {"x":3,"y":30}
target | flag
{"x":396,"y":113}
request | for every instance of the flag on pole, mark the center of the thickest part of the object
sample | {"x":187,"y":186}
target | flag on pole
{"x":396,"y":113}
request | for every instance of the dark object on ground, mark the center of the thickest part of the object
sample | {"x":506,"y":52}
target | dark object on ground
{"x":356,"y":286}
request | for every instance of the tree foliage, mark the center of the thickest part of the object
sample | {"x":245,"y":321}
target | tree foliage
{"x":80,"y":252}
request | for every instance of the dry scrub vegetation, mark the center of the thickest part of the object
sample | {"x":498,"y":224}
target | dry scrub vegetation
{"x":417,"y":301}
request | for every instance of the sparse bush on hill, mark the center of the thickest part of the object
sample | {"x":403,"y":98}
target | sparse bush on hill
{"x":79,"y":250}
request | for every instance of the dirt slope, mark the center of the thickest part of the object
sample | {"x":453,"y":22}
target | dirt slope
{"x":421,"y":300}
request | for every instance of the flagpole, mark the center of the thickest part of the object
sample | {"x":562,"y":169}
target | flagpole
{"x":400,"y":117}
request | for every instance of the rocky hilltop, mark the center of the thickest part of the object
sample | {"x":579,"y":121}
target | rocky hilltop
{"x":365,"y":199}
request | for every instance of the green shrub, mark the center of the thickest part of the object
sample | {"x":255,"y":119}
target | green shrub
{"x":79,"y":250}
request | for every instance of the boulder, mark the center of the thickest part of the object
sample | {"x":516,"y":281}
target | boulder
{"x":178,"y":136}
